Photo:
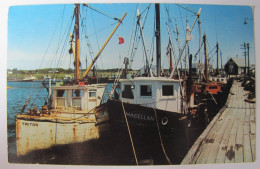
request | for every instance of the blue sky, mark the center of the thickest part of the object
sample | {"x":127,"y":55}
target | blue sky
{"x":36,"y":36}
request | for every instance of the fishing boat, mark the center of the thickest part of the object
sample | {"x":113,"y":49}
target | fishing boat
{"x":155,"y":113}
{"x":29,"y":78}
{"x":212,"y":90}
{"x":67,"y":116}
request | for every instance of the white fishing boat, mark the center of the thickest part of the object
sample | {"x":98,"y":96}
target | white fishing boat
{"x":67,"y":116}
{"x":29,"y":78}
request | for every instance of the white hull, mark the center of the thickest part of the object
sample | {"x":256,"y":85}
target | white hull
{"x":35,"y":135}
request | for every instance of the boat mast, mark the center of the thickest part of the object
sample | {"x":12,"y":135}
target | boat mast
{"x":147,"y":69}
{"x":186,"y":41}
{"x":158,"y":39}
{"x":77,"y":8}
{"x":217,"y":57}
{"x":206,"y":58}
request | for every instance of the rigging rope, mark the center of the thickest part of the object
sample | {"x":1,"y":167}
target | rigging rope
{"x":101,"y":12}
{"x":130,"y":135}
{"x":186,"y":9}
{"x":131,"y":36}
{"x":96,"y":37}
{"x":162,"y":145}
{"x":36,"y":97}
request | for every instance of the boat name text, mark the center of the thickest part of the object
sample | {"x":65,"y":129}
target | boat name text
{"x":30,"y":124}
{"x":140,"y":116}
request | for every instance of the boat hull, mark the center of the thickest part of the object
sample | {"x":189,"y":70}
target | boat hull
{"x":37,"y":133}
{"x":155,"y":134}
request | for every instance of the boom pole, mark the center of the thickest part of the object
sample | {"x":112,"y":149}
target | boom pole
{"x":98,"y":54}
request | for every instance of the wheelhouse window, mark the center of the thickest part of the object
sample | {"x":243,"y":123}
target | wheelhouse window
{"x":213,"y":87}
{"x":146,"y":90}
{"x":61,"y":93}
{"x":92,"y":94}
{"x":167,"y":90}
{"x":127,"y":92}
{"x":76,"y":98}
{"x":76,"y":93}
{"x":61,"y":97}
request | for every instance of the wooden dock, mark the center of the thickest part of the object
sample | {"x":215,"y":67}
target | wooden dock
{"x":231,"y":135}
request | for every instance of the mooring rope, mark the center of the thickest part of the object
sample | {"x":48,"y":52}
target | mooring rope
{"x":130,"y":135}
{"x":165,"y":154}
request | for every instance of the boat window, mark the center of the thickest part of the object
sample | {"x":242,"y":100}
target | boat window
{"x":146,"y":90}
{"x":127,"y":92}
{"x":76,"y":93}
{"x":92,"y":94}
{"x":213,"y":87}
{"x":167,"y":90}
{"x":61,"y":93}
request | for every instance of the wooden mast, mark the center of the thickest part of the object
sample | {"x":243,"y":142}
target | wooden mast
{"x":217,"y":58}
{"x":206,"y":58}
{"x":102,"y":48}
{"x":158,"y":39}
{"x":77,"y":9}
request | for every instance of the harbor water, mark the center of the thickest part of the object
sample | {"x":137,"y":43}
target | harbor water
{"x":110,"y":150}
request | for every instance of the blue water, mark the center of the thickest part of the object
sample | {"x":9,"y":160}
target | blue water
{"x":16,"y":97}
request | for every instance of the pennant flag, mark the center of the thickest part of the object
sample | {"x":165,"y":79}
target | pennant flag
{"x":121,"y":40}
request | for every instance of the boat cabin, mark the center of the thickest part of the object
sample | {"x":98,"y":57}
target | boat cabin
{"x":82,"y":97}
{"x":222,"y":80}
{"x":160,"y":93}
{"x":211,"y":87}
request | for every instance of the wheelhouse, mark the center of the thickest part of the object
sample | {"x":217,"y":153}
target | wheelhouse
{"x":82,"y":97}
{"x":161,"y":93}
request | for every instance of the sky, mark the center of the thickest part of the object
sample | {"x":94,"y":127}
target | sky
{"x":38,"y":35}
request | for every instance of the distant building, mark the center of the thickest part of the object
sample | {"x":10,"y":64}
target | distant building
{"x":199,"y":67}
{"x":235,"y":66}
{"x":9,"y":72}
{"x":252,"y":68}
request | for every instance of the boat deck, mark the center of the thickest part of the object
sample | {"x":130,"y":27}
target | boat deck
{"x":231,"y":135}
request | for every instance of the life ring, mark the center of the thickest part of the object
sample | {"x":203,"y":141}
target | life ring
{"x":165,"y":121}
{"x":188,"y":123}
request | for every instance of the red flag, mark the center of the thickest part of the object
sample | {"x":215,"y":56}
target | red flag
{"x":121,"y":40}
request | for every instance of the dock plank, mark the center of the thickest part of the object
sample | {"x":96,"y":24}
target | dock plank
{"x":207,"y":146}
{"x":247,"y":149}
{"x":231,"y":138}
{"x":253,"y":132}
{"x":230,"y":153}
{"x":239,"y":149}
{"x":220,"y":158}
